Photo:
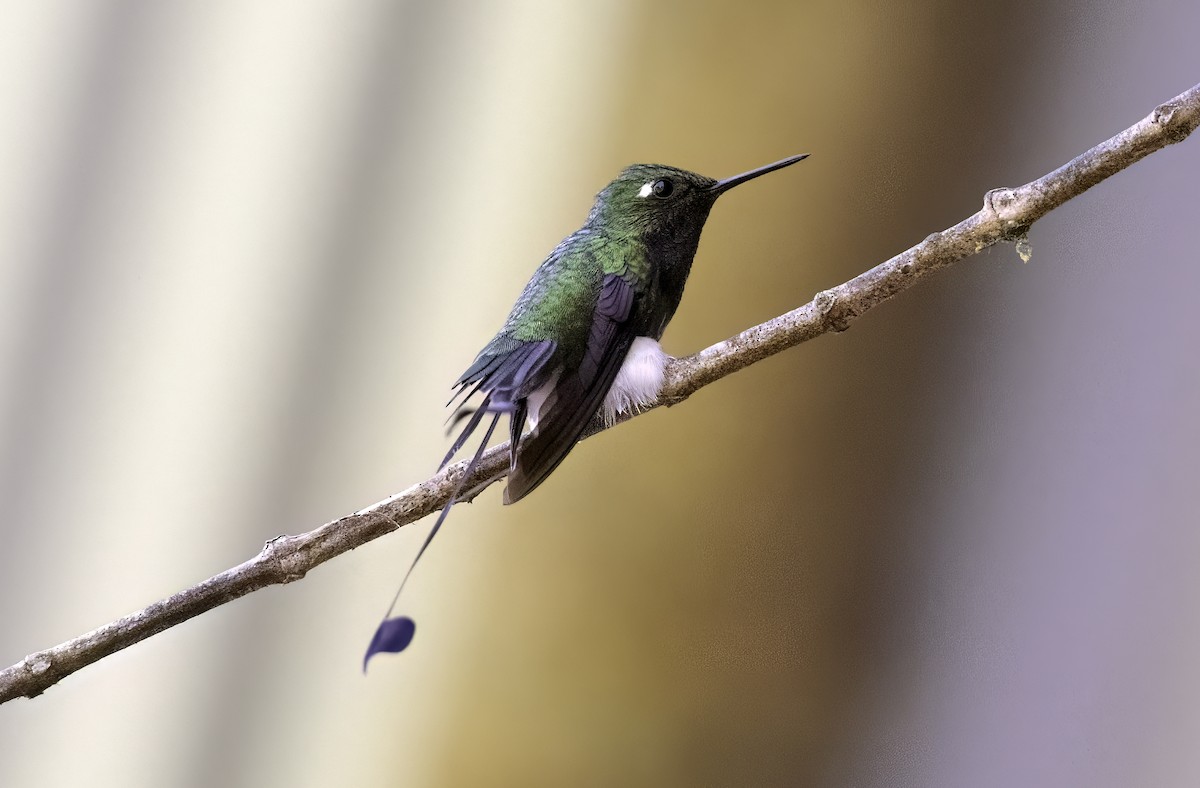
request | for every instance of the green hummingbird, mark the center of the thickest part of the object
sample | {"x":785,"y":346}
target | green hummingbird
{"x":581,"y":343}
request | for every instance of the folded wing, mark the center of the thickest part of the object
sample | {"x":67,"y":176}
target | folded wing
{"x":577,"y":395}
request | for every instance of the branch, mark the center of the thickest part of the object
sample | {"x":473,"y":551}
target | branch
{"x":1006,"y":216}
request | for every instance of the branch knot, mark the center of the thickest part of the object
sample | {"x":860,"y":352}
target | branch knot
{"x":1163,"y":114}
{"x":834,"y":313}
{"x":290,"y":563}
{"x":1174,"y":125}
{"x":1003,"y":204}
{"x":38,"y":663}
{"x":1008,"y":209}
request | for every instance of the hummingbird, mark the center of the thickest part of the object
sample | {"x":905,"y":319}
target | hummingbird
{"x":581,"y":343}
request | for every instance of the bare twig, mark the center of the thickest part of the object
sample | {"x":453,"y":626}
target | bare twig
{"x":1006,"y":215}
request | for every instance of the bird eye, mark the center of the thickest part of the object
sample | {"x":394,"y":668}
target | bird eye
{"x":662,"y":189}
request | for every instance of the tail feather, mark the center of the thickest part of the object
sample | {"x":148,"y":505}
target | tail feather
{"x":465,"y":435}
{"x":394,"y":634}
{"x":516,"y":423}
{"x":506,"y":372}
{"x":464,"y":387}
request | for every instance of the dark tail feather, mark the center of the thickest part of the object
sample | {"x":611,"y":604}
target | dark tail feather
{"x":516,"y":423}
{"x":457,"y":416}
{"x":468,"y":389}
{"x":394,"y":634}
{"x":465,"y":435}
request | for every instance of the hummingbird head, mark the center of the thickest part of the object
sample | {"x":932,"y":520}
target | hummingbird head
{"x":665,"y":203}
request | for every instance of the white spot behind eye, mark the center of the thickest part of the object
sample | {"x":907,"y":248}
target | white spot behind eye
{"x":646,"y":189}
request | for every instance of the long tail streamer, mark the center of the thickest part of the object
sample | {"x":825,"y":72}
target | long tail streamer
{"x":394,"y":634}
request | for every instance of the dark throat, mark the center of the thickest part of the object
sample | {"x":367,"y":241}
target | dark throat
{"x":671,"y":249}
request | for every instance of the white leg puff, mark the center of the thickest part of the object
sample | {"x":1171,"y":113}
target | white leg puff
{"x":638,"y":381}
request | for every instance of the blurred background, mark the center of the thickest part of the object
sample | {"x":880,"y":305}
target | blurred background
{"x":246,"y":247}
